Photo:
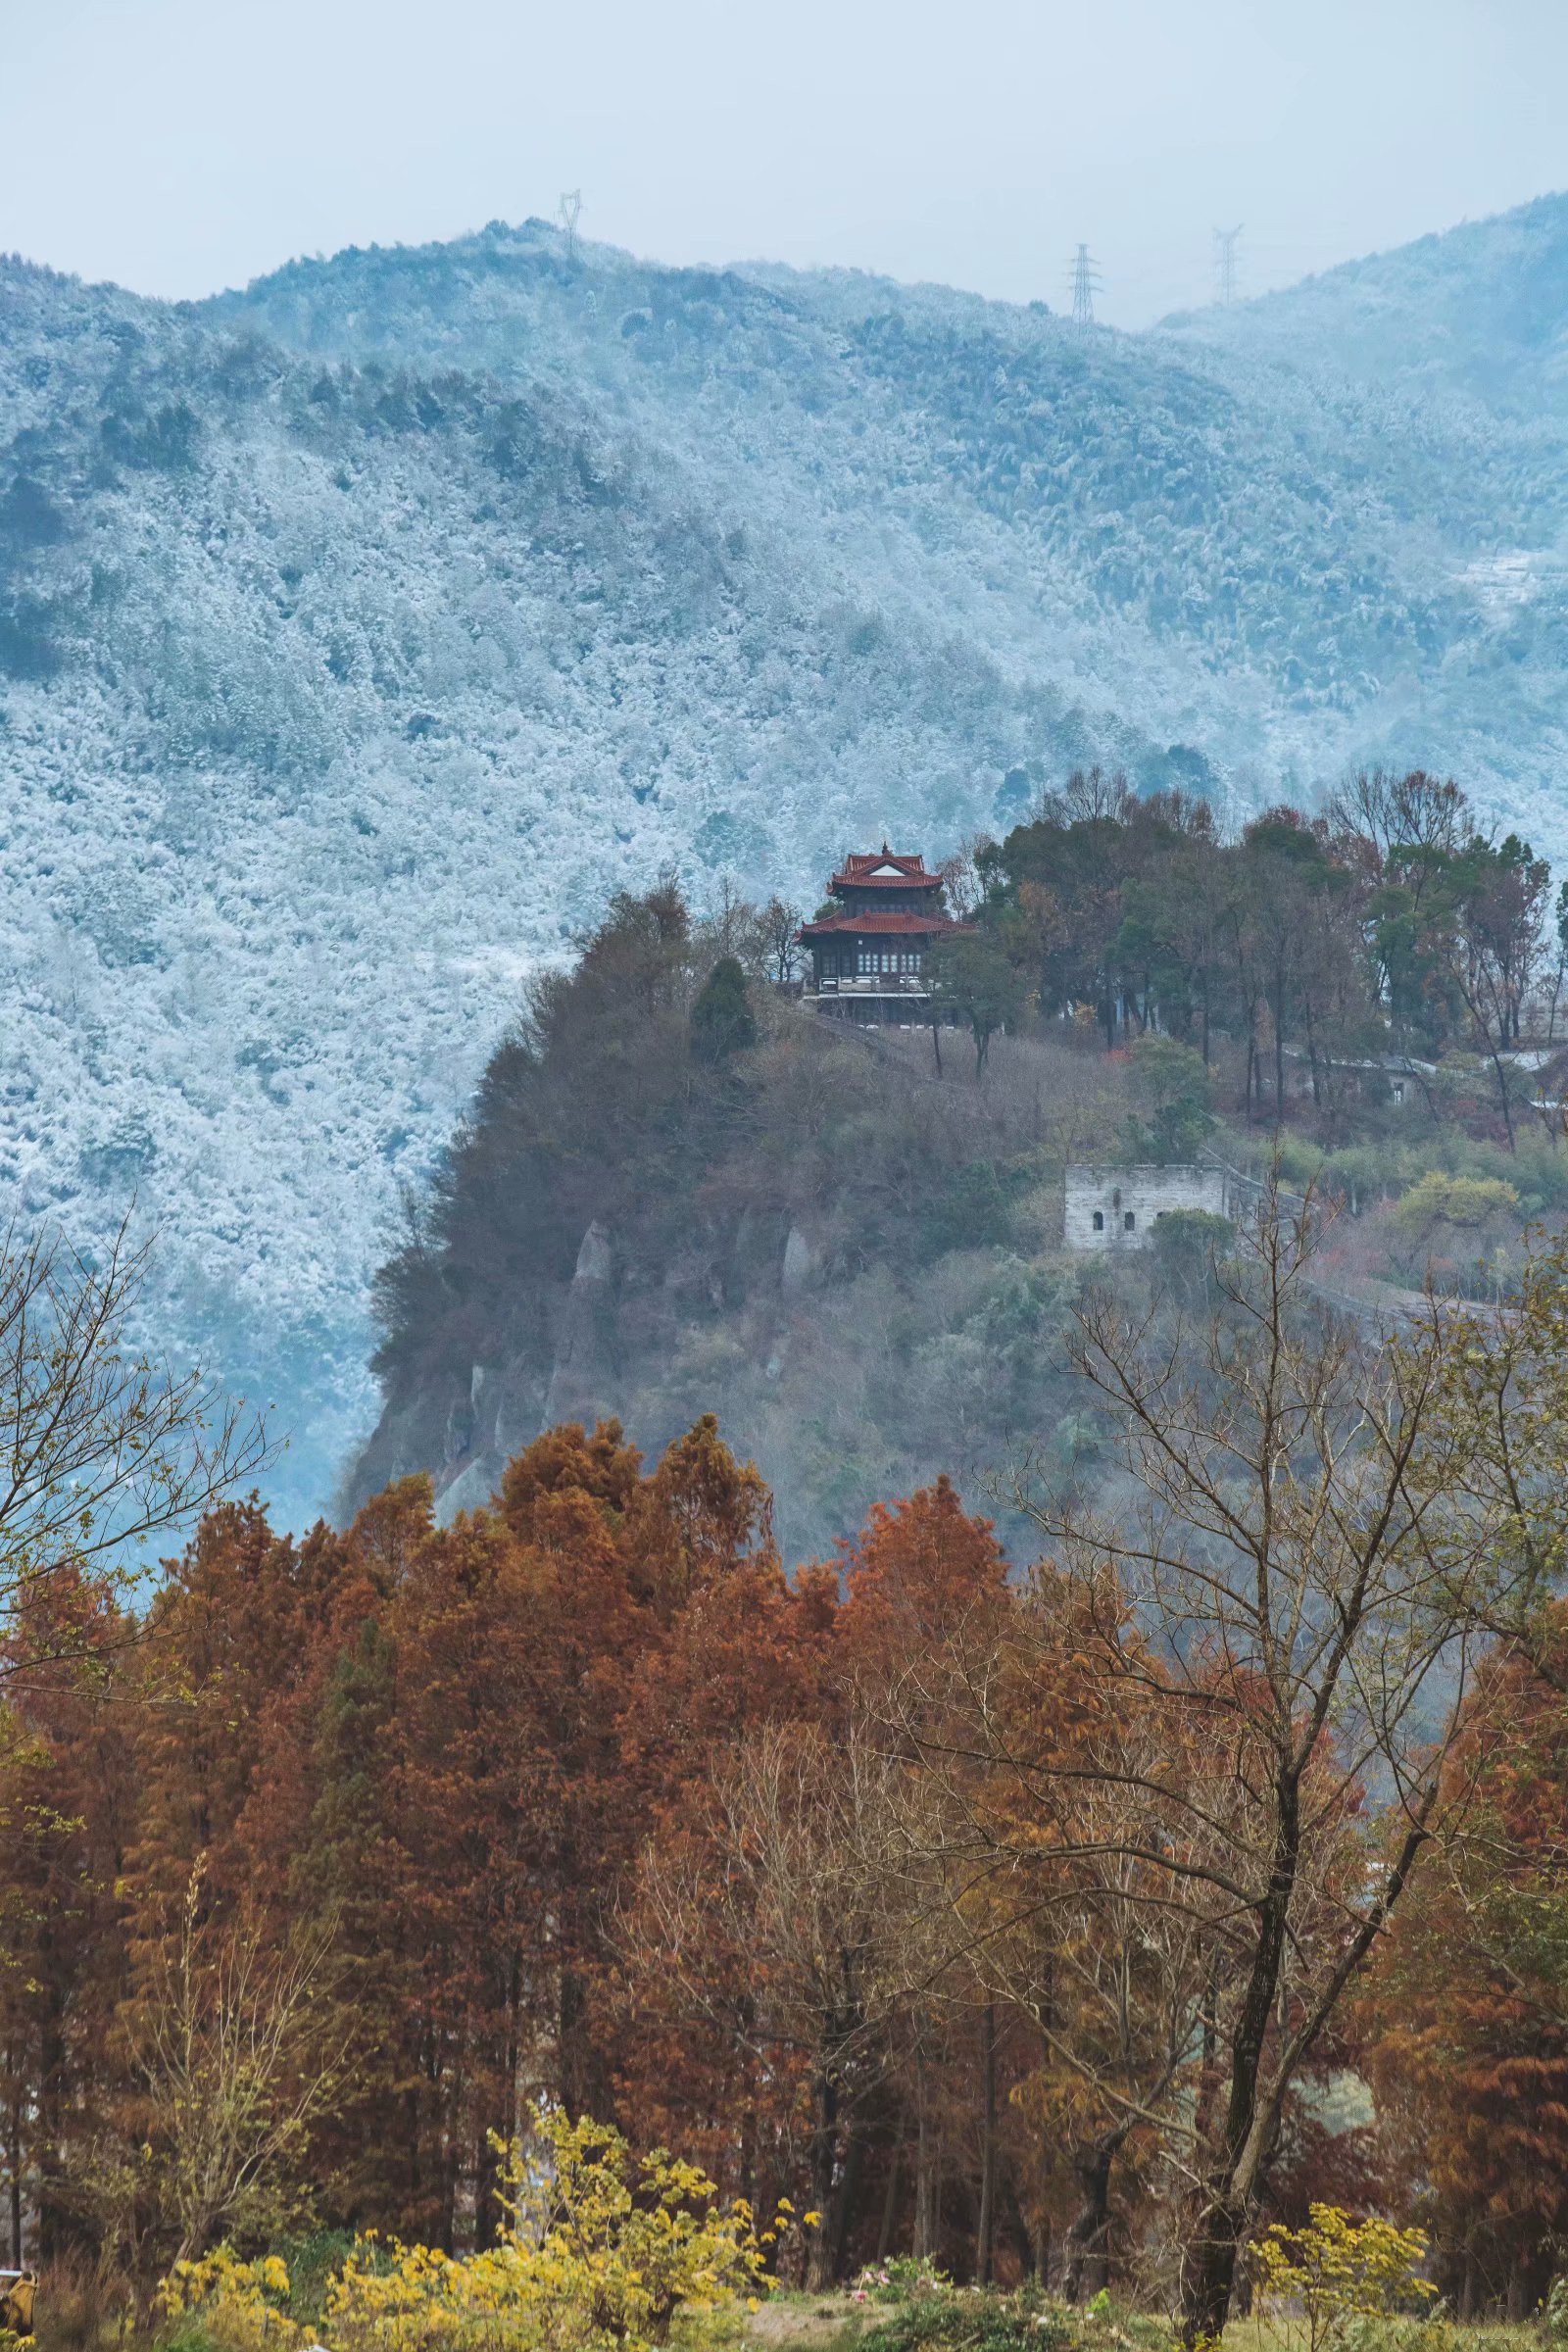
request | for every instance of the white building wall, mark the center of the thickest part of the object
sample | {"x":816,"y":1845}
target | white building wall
{"x":1141,"y":1194}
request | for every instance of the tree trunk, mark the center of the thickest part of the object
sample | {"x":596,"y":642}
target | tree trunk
{"x":1311,"y":1050}
{"x":16,"y":2186}
{"x":1232,"y":2181}
{"x":924,"y":2232}
{"x":821,"y":2252}
{"x":1085,"y":2253}
{"x":1502,"y":1094}
{"x":889,"y":2205}
{"x":1208,"y":2275}
{"x":847,"y":2179}
{"x":986,"y":2225}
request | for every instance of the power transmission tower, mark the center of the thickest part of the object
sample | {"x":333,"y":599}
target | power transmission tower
{"x":566,"y":212}
{"x":1086,"y":284}
{"x":1225,"y":261}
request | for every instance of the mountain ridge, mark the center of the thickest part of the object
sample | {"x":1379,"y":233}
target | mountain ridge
{"x":361,"y":631}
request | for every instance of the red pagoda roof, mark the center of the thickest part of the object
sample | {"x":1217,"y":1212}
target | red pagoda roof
{"x":885,"y":921}
{"x":884,"y":869}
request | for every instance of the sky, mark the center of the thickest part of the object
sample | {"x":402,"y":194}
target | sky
{"x":178,"y":146}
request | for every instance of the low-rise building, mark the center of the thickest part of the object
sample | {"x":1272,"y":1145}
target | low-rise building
{"x":1117,"y":1207}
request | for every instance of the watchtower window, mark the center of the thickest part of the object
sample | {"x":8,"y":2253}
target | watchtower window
{"x":1100,"y":1220}
{"x":1128,"y":1222}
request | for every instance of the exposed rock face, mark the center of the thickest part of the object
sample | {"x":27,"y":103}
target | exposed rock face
{"x":582,"y":1367}
{"x":520,"y":1393}
{"x":800,"y":1263}
{"x":470,"y":1490}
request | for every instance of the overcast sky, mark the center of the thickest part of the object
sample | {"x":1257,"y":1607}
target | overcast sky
{"x":183,"y":145}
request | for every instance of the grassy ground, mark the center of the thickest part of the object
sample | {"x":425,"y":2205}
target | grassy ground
{"x":72,"y":2318}
{"x":965,"y":2322}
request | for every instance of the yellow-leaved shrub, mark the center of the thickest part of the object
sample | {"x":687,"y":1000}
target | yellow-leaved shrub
{"x":236,"y":2303}
{"x":601,"y":2249}
{"x":1337,"y":2270}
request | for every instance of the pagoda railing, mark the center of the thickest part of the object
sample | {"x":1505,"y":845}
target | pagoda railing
{"x":869,"y":984}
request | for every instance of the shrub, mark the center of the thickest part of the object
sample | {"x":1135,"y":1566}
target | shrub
{"x":235,"y":2306}
{"x":1340,"y":2271}
{"x":1463,"y":1201}
{"x":1027,"y":2321}
{"x":961,"y":2323}
{"x":602,"y":2249}
{"x":901,"y":2276}
{"x":1187,"y":1243}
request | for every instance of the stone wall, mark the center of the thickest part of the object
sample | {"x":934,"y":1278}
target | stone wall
{"x":1127,"y":1201}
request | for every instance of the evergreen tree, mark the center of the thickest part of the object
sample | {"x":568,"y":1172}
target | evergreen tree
{"x":722,"y":1021}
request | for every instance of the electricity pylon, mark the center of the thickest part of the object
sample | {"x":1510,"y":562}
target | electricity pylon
{"x":567,"y":212}
{"x":1225,"y":261}
{"x":1086,"y":283}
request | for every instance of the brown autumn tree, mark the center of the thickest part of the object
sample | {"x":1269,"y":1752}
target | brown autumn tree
{"x":1465,"y":2016}
{"x":1299,"y":1567}
{"x":68,"y":1794}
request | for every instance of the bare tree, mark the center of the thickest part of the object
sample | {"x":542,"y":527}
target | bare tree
{"x":1090,"y":795}
{"x":102,"y":1448}
{"x":780,"y":925}
{"x":792,"y":1873}
{"x":964,"y":888}
{"x":231,"y":2059}
{"x":1031,"y":1805}
{"x":1412,"y":811}
{"x":1288,"y":1602}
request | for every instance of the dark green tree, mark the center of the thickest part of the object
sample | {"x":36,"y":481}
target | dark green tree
{"x":1175,"y":1086}
{"x":972,"y":979}
{"x":722,"y":1021}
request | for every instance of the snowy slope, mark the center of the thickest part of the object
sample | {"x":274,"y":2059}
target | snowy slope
{"x":360,"y":634}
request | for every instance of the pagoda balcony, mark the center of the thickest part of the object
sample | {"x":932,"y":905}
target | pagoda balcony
{"x":869,"y":984}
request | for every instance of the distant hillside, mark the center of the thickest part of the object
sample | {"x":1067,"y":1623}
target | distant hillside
{"x":1480,"y":311}
{"x":360,"y":632}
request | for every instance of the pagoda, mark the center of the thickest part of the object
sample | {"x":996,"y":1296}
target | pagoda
{"x":868,"y":958}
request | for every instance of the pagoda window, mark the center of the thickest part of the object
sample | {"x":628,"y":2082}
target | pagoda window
{"x":1100,"y":1220}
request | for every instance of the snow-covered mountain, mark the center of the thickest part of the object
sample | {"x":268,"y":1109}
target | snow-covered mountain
{"x":358,"y":633}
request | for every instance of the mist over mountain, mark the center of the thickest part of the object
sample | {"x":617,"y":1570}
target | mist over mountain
{"x":361,"y":632}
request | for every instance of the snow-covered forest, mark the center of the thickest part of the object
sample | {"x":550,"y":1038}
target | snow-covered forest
{"x":361,"y":632}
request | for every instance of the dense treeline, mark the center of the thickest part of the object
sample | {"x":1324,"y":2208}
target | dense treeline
{"x":1391,"y":925}
{"x":1019,"y":1921}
